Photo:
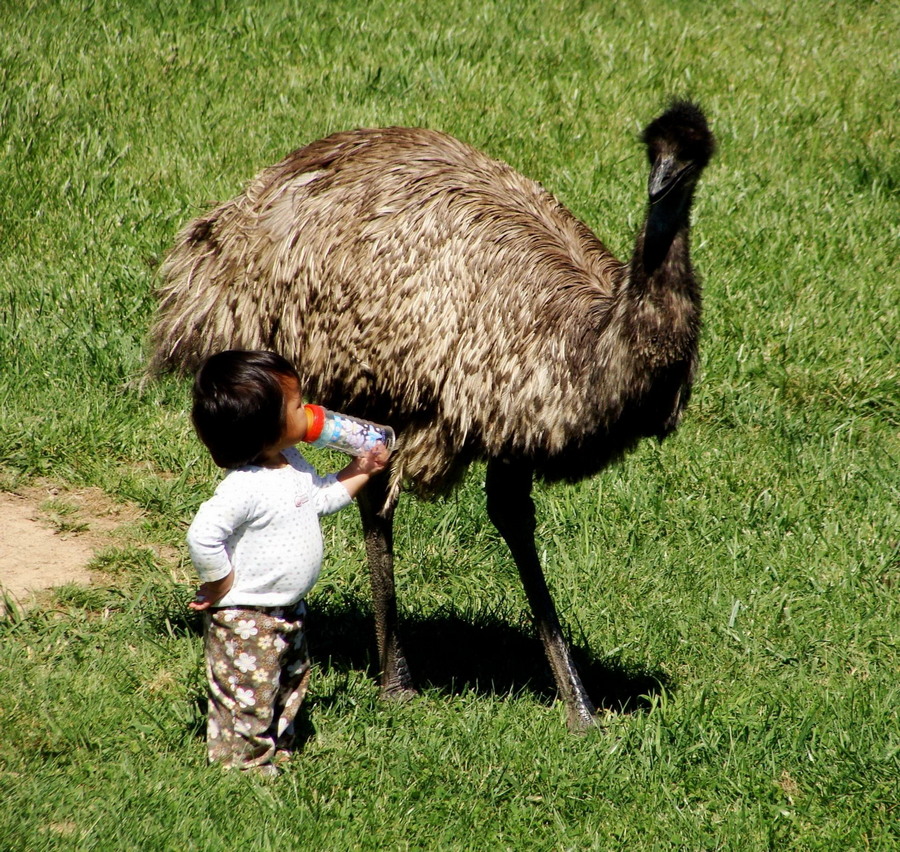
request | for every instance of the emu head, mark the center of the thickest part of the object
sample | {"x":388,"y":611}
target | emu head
{"x":679,"y":145}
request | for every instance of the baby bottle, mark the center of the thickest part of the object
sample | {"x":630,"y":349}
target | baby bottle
{"x":342,"y":432}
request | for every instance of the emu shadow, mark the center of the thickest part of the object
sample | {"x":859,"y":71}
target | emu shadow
{"x":455,"y":653}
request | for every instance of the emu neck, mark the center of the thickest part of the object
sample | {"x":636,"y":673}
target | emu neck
{"x":661,"y":259}
{"x":659,"y":300}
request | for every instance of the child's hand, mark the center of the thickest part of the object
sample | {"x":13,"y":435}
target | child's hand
{"x":362,"y":468}
{"x":201,"y":601}
{"x":374,"y":461}
{"x":210,"y":593}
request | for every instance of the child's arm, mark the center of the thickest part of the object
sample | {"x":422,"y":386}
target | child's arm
{"x":362,"y":468}
{"x":216,"y":520}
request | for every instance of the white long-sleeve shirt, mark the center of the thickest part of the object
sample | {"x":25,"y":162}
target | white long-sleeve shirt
{"x":264,"y":524}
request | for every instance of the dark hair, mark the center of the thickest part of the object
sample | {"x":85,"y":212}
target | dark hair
{"x":238,"y":407}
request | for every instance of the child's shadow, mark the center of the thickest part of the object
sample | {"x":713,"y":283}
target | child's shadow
{"x":455,"y":653}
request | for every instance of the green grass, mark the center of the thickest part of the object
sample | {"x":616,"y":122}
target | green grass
{"x":732,"y":594}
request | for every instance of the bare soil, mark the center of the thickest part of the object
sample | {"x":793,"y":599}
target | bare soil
{"x":50,"y":535}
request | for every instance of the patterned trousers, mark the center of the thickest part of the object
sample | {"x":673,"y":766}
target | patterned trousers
{"x":257,"y":667}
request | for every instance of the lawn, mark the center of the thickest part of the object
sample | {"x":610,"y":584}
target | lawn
{"x":732,"y":594}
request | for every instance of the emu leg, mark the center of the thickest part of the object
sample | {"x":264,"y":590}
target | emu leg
{"x":511,"y":509}
{"x":378,"y":530}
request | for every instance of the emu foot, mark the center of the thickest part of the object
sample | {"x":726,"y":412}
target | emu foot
{"x":581,"y":716}
{"x":398,"y":694}
{"x":396,"y":681}
{"x":598,"y":722}
{"x":582,"y":726}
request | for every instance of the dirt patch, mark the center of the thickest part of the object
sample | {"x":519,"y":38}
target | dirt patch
{"x":49,"y":535}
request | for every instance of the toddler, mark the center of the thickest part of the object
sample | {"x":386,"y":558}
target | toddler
{"x":257,"y":546}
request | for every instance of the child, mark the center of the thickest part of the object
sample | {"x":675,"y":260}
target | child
{"x":257,"y":547}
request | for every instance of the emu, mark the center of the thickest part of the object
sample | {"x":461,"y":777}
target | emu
{"x":417,"y":282}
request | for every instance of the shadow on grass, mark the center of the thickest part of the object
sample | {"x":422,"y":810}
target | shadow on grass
{"x":455,"y":653}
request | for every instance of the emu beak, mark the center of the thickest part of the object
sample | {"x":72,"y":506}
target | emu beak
{"x":667,"y":172}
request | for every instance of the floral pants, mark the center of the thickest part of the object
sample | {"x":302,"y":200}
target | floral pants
{"x":257,"y":666}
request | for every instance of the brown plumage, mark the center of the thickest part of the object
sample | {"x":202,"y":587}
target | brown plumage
{"x":415,"y":281}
